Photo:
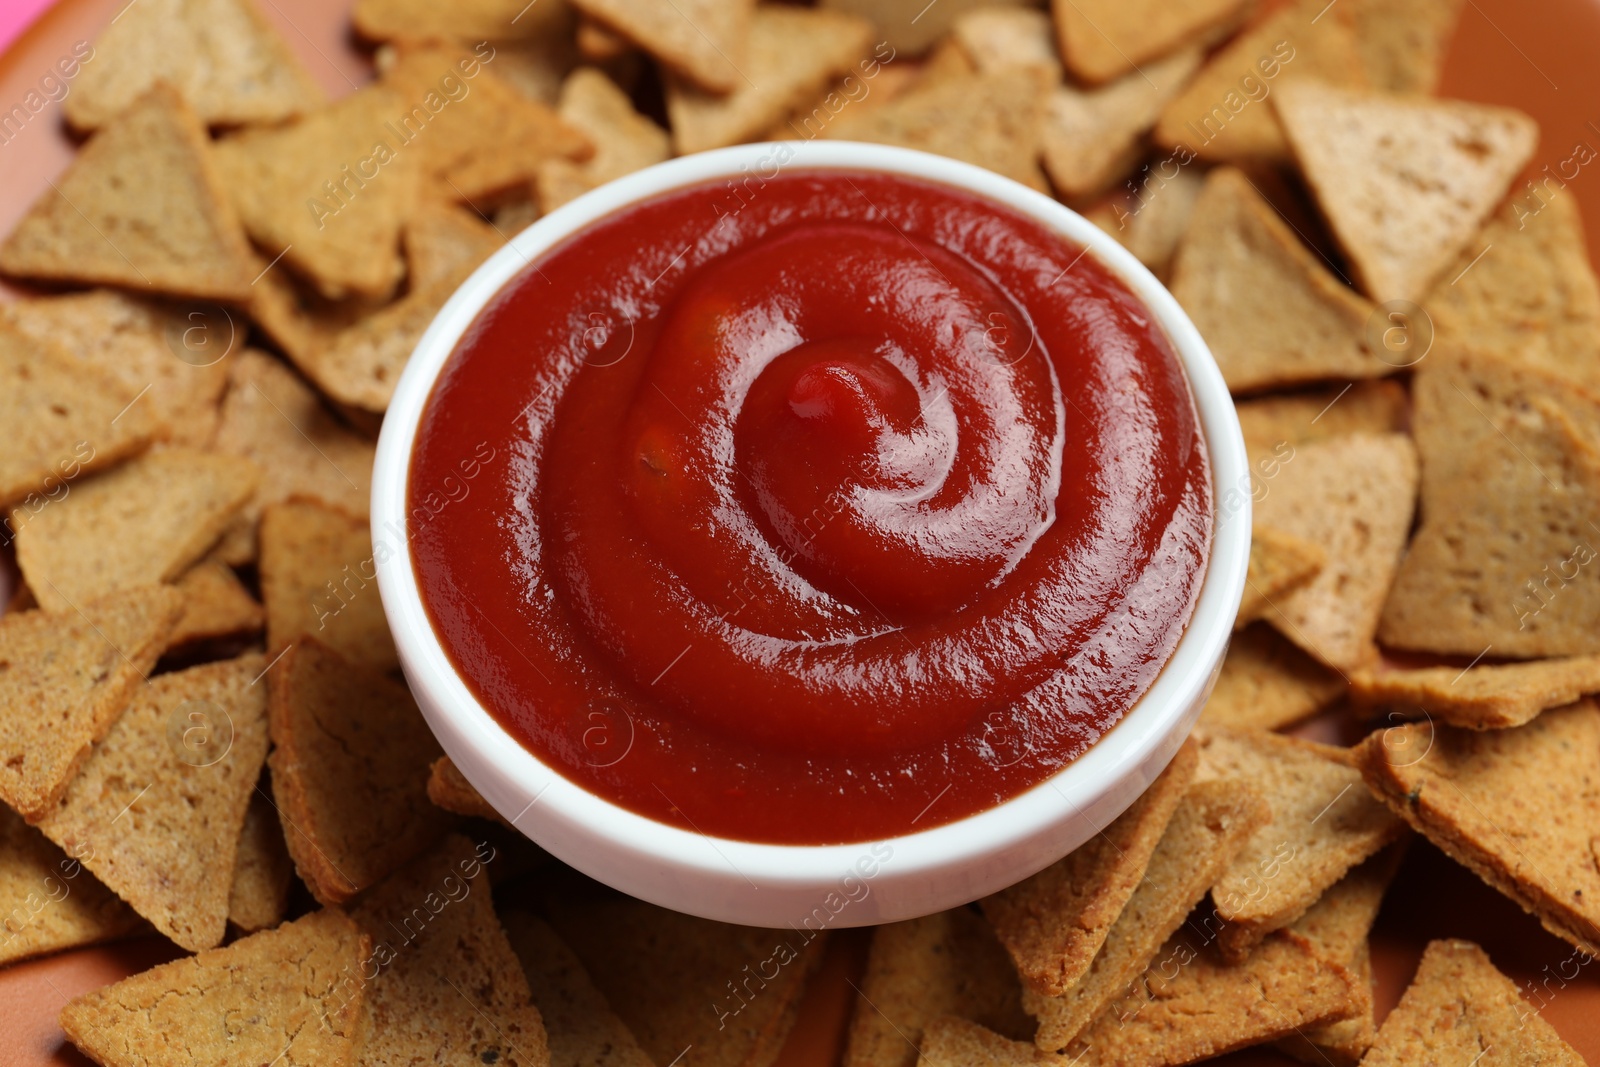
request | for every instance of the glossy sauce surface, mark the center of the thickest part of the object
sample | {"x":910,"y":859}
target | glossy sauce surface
{"x":826,"y":509}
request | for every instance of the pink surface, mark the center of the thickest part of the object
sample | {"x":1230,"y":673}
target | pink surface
{"x":18,"y":15}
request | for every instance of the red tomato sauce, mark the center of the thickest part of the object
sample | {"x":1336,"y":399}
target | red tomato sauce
{"x":847,"y":513}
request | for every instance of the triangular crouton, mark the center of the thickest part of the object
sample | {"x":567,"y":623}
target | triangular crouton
{"x":1404,"y":182}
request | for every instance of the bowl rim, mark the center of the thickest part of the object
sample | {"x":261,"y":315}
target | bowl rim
{"x":493,"y":757}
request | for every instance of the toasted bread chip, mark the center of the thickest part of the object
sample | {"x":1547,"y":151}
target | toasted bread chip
{"x":1479,"y":697}
{"x":798,"y":52}
{"x":1271,"y":311}
{"x":950,"y":61}
{"x":1323,"y":824}
{"x":444,"y":244}
{"x":1532,"y":293}
{"x":1360,"y":407}
{"x":1518,"y":807}
{"x":275,"y":420}
{"x":1353,"y":496}
{"x":63,"y":681}
{"x":349,"y":771}
{"x":419,"y":1005}
{"x":1225,"y":114}
{"x":538,"y":67}
{"x":319,"y":580}
{"x":944,"y":964}
{"x":1402,"y":43}
{"x":293,"y":984}
{"x":1336,"y":928}
{"x":222,"y":55}
{"x":667,"y":976}
{"x":625,"y":141}
{"x":360,"y":365}
{"x":1279,"y":563}
{"x":49,"y":902}
{"x":1104,"y":39}
{"x":262,"y":869}
{"x":598,"y":44}
{"x":216,"y":604}
{"x":990,"y":120}
{"x":142,"y":207}
{"x":450,"y":790}
{"x":173,"y":356}
{"x":1362,"y":152}
{"x":1212,"y":823}
{"x":951,"y":1041}
{"x":1054,"y":923}
{"x":1195,"y":1005}
{"x":1152,"y":224}
{"x":330,"y":190}
{"x":1510,"y":503}
{"x":706,"y":41}
{"x":156,"y":809}
{"x":872,"y":85}
{"x":580,"y":1026}
{"x":1091,"y":138}
{"x":1267,"y":683}
{"x":492,"y":137}
{"x":299,"y":319}
{"x":1459,"y":1007}
{"x":61,"y":420}
{"x":909,"y":27}
{"x":145,"y":522}
{"x":994,"y":38}
{"x":463,"y":20}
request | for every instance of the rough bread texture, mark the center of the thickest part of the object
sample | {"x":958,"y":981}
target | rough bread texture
{"x":1510,"y":505}
{"x":1279,"y":564}
{"x":1373,"y":407}
{"x":1093,"y":137}
{"x":624,"y":140}
{"x":349,"y":771}
{"x":1518,"y":807}
{"x":1402,"y":43}
{"x":61,"y":421}
{"x":262,"y":869}
{"x":222,"y":55}
{"x":1103,"y":39}
{"x":141,"y":206}
{"x":1269,"y":308}
{"x":319,"y":579}
{"x":667,"y":976}
{"x":1354,"y":496}
{"x":1533,"y":292}
{"x":1218,"y":122}
{"x":1213,"y":822}
{"x":143,"y":523}
{"x":276,"y":421}
{"x":798,"y":52}
{"x":1404,"y":182}
{"x":65,"y":678}
{"x":134,"y":340}
{"x":991,"y":120}
{"x":1267,"y":683}
{"x":1323,"y":824}
{"x":1479,"y":698}
{"x":1209,"y":1007}
{"x":48,"y":902}
{"x":1459,"y":1008}
{"x":1054,"y":923}
{"x":297,"y":985}
{"x":157,"y":808}
{"x":706,"y":41}
{"x":949,"y":963}
{"x":579,"y":1025}
{"x":451,"y":990}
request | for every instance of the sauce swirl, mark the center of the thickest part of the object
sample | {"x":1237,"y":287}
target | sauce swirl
{"x":847,"y":515}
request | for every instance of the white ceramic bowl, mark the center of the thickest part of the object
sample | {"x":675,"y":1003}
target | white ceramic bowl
{"x":806,"y":887}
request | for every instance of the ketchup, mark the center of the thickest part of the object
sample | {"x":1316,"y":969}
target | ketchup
{"x":844,"y":515}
